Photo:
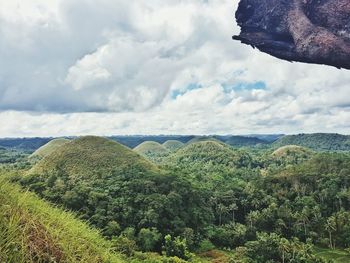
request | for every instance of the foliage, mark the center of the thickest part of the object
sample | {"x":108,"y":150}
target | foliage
{"x":176,"y":247}
{"x":48,"y":148}
{"x":317,"y":141}
{"x":33,"y":231}
{"x":267,"y":206}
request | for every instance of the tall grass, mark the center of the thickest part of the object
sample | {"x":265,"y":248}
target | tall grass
{"x":32,"y":230}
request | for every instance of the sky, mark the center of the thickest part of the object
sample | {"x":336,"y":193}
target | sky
{"x":117,"y":67}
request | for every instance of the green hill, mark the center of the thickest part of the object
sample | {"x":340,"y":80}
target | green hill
{"x":290,"y":150}
{"x":31,"y":230}
{"x":241,"y":141}
{"x":203,"y":139}
{"x":49,"y":147}
{"x":89,"y":157}
{"x":208,"y":156}
{"x":290,"y":154}
{"x":150,"y":147}
{"x":107,"y":182}
{"x":316,"y":141}
{"x":173,"y":145}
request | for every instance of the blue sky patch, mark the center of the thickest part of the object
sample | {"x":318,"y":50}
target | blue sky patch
{"x":181,"y":92}
{"x":259,"y":85}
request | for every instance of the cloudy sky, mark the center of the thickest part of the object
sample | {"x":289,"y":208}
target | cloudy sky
{"x":74,"y":67}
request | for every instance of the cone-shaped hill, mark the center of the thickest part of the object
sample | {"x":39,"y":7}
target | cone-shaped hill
{"x":291,"y":154}
{"x":291,"y":150}
{"x":203,"y":139}
{"x":49,"y":147}
{"x":209,"y":153}
{"x":173,"y":145}
{"x":91,"y":156}
{"x":107,"y":182}
{"x":150,"y":147}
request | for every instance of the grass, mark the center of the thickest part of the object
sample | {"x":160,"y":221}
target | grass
{"x":173,"y":145}
{"x":337,"y":255}
{"x":50,"y":147}
{"x":291,"y":149}
{"x":32,"y":230}
{"x":150,"y":147}
{"x":89,"y":156}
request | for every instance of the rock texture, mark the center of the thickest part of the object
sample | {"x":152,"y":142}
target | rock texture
{"x":312,"y":31}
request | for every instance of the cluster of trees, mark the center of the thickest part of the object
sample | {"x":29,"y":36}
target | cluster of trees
{"x":223,"y":201}
{"x":317,"y":141}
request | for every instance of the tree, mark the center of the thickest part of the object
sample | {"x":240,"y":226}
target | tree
{"x":233,"y":207}
{"x":330,"y":226}
{"x":176,"y":247}
{"x":148,"y":239}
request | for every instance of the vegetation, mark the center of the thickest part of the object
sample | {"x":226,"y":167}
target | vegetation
{"x":317,"y":141}
{"x":28,"y":145}
{"x":206,"y":201}
{"x":151,"y":150}
{"x":173,"y":145}
{"x":33,"y":231}
{"x":49,"y":147}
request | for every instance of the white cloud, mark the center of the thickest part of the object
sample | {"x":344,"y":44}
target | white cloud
{"x":126,"y":60}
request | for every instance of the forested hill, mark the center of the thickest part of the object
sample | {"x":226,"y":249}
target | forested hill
{"x":26,"y":144}
{"x":317,"y":141}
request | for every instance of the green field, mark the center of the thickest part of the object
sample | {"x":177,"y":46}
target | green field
{"x":339,"y":256}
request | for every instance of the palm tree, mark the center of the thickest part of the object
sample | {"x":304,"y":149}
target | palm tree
{"x":233,"y":207}
{"x":284,"y":247}
{"x":330,"y":227}
{"x":222,"y":210}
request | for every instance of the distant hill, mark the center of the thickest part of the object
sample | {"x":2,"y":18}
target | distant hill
{"x":32,"y":230}
{"x":317,"y":141}
{"x":208,"y":156}
{"x":105,"y":181}
{"x":290,"y":149}
{"x":150,"y":148}
{"x":173,"y":145}
{"x":90,"y":156}
{"x":25,"y":144}
{"x":291,"y":154}
{"x":266,"y":137}
{"x":133,"y":140}
{"x":49,"y":147}
{"x":241,"y":141}
{"x":204,"y":139}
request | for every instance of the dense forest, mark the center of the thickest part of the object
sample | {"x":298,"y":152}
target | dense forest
{"x":196,"y":200}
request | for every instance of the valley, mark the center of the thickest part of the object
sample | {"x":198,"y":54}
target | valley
{"x":240,"y":199}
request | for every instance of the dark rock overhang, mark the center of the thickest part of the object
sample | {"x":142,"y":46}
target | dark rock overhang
{"x":311,"y":31}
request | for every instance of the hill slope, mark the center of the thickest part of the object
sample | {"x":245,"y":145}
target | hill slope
{"x":203,"y":139}
{"x":317,"y":141}
{"x":91,"y":156}
{"x":205,"y":157}
{"x":173,"y":145}
{"x":241,"y":141}
{"x":31,"y":230}
{"x":150,"y":147}
{"x":26,"y":144}
{"x":107,"y":182}
{"x":49,"y":147}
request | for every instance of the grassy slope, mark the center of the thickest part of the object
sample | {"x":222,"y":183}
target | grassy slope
{"x":31,"y":230}
{"x":49,"y":147}
{"x":339,"y":256}
{"x":291,"y":149}
{"x":150,"y":147}
{"x":88,"y":156}
{"x":203,"y":139}
{"x":317,"y":141}
{"x":173,"y":145}
{"x":204,"y":152}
